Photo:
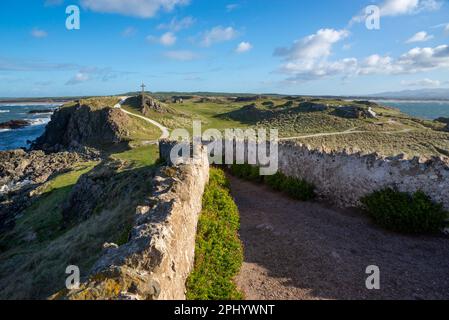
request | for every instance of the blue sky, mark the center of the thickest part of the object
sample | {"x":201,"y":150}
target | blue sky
{"x":259,"y":46}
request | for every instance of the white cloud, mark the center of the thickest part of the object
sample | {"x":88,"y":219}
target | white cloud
{"x":232,"y":6}
{"x":243,"y":47}
{"x":176,"y":25}
{"x":313,"y":47}
{"x":218,"y":34}
{"x":129,"y":32}
{"x":420,"y":37}
{"x":39,"y":33}
{"x":181,"y":55}
{"x":136,"y":8}
{"x":80,"y":77}
{"x":392,"y":8}
{"x":308,"y":59}
{"x":167,"y":39}
{"x":422,"y":83}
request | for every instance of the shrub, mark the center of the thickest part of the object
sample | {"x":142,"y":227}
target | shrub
{"x":246,"y":171}
{"x":403,"y":212}
{"x":298,"y":189}
{"x":295,"y":188}
{"x":275,"y":181}
{"x":219,"y":252}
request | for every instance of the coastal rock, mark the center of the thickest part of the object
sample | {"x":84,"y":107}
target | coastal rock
{"x":14,"y":124}
{"x":73,"y":127}
{"x":21,"y":173}
{"x":45,"y":111}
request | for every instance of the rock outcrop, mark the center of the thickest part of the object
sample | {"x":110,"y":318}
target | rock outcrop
{"x":354,"y":112}
{"x":74,"y":127}
{"x":14,"y":124}
{"x":22,"y":172}
{"x":150,"y":105}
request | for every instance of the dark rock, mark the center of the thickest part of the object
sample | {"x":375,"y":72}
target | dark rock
{"x":14,"y":124}
{"x":76,"y":127}
{"x":41,"y":111}
{"x":354,"y":112}
{"x":312,"y":107}
{"x":249,"y":99}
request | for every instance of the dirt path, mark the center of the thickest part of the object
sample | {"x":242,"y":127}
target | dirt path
{"x":298,"y":250}
{"x":342,"y":133}
{"x":165,"y":131}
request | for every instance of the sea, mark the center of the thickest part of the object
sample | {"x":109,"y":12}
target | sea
{"x":429,"y":110}
{"x":13,"y":139}
{"x":19,"y":138}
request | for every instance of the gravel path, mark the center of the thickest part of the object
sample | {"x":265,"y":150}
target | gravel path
{"x":303,"y":250}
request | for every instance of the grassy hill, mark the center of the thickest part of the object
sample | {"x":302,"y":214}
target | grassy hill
{"x":390,"y":132}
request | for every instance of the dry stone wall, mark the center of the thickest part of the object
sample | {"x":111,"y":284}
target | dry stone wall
{"x":345,"y":177}
{"x":159,"y":255}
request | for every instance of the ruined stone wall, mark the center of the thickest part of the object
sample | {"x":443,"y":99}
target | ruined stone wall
{"x":159,"y":255}
{"x":344,"y":178}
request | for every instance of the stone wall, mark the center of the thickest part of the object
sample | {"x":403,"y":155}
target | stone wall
{"x":344,"y":178}
{"x":159,"y":255}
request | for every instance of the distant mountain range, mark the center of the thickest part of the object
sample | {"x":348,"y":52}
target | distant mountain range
{"x":421,"y":94}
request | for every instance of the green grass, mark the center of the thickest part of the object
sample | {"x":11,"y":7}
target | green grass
{"x":219,"y":252}
{"x":140,"y":156}
{"x":43,"y":219}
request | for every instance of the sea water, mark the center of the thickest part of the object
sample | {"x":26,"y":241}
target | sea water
{"x":17,"y":138}
{"x":429,"y":110}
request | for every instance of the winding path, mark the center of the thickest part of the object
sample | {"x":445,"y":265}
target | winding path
{"x":306,"y":251}
{"x":165,"y":131}
{"x":350,"y":131}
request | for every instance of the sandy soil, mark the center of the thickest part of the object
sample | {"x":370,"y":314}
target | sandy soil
{"x":303,"y":250}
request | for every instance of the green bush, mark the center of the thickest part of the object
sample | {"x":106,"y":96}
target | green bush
{"x":295,"y":188}
{"x":246,"y":171}
{"x":298,"y":189}
{"x":275,"y":181}
{"x":219,"y":251}
{"x":403,"y":212}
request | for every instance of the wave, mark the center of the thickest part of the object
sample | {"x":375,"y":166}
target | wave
{"x":4,"y":111}
{"x":30,"y":104}
{"x":38,"y":121}
{"x":4,"y":130}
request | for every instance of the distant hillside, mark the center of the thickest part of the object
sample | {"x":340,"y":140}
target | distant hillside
{"x":421,"y":94}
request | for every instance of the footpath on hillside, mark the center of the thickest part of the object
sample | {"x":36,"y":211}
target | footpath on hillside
{"x":305,"y":250}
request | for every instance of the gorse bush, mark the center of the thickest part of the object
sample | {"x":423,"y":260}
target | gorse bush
{"x":219,"y":251}
{"x":403,"y":212}
{"x":295,"y":188}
